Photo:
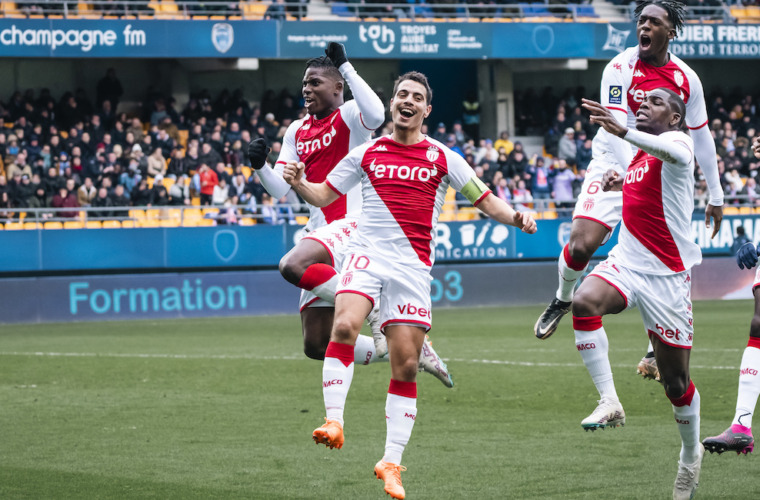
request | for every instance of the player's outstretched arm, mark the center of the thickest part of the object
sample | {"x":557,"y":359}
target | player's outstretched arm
{"x":500,"y":211}
{"x":704,"y":152}
{"x":319,"y":195}
{"x":369,"y":104}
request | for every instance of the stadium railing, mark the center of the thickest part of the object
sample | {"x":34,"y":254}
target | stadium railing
{"x":200,"y":216}
{"x":411,"y":10}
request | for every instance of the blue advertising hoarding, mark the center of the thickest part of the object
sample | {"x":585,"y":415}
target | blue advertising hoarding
{"x":138,"y":38}
{"x":262,"y":245}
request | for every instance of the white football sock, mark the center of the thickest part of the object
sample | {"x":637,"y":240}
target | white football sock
{"x":686,"y":412}
{"x":337,"y":373}
{"x":593,"y":347}
{"x":568,"y":277}
{"x":400,"y":414}
{"x":364,"y":351}
{"x":749,"y":387}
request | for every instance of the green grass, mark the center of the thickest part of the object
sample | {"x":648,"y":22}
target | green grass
{"x":224,"y":408}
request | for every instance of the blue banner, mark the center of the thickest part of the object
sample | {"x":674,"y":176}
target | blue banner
{"x":367,"y":40}
{"x":137,"y":38}
{"x":263,"y":246}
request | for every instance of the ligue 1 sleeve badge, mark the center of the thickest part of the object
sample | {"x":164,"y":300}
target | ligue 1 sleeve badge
{"x":222,"y":36}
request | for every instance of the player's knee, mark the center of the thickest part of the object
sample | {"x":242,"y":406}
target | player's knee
{"x":314,"y":350}
{"x":754,"y":327}
{"x":583,"y":306}
{"x":408,"y":368}
{"x":291,"y":269}
{"x":675,"y":384}
{"x":343,"y":330}
{"x":580,"y":249}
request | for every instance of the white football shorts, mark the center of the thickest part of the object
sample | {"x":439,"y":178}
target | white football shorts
{"x":594,"y":204}
{"x":334,"y":237}
{"x":664,"y":301}
{"x":403,"y":294}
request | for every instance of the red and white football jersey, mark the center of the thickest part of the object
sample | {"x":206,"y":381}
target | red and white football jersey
{"x":658,"y":201}
{"x":403,"y":189}
{"x":320,"y":145}
{"x":627,"y":80}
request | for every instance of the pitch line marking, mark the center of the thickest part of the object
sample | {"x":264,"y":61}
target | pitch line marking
{"x":539,"y":364}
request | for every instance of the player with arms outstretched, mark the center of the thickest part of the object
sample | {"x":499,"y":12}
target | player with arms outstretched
{"x":626,"y":81}
{"x":324,"y":137}
{"x":650,"y":267}
{"x":404,"y":178}
{"x":738,"y":437}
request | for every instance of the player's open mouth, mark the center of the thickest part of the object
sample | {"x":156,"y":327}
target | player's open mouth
{"x":645,"y":41}
{"x":406,"y":112}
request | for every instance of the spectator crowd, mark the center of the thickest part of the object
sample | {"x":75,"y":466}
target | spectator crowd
{"x":58,"y":155}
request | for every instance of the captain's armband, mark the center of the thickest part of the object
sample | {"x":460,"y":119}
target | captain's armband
{"x":475,"y":190}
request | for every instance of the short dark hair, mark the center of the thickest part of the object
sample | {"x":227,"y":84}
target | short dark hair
{"x":675,"y":9}
{"x":677,"y":105}
{"x":418,"y":77}
{"x":324,"y":63}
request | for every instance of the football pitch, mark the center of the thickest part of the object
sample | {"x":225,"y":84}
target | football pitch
{"x":224,"y":408}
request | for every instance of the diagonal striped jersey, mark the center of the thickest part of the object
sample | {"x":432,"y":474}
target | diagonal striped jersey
{"x":403,"y":190}
{"x":658,"y":201}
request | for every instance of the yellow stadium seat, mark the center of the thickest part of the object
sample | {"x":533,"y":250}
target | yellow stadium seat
{"x":730,"y":211}
{"x":148,"y":223}
{"x":53,"y":224}
{"x":210,"y":211}
{"x":73,"y":224}
{"x":549,"y":214}
{"x":302,"y":220}
{"x":137,"y":214}
{"x":190,"y":222}
{"x":112,"y":224}
{"x":253,"y":10}
{"x":14,"y":226}
{"x":169,"y":223}
{"x":192,"y":213}
{"x":32,"y":225}
{"x":183,"y":136}
{"x":206,"y":222}
{"x":745,"y":210}
{"x":153,"y":213}
{"x":128,"y":223}
{"x":195,"y":201}
{"x":93,"y":224}
{"x":447,"y":216}
{"x":168,"y":182}
{"x":246,"y":172}
{"x":247,"y":221}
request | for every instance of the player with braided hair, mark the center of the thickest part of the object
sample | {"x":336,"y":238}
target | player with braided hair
{"x":626,"y":81}
{"x":320,"y":140}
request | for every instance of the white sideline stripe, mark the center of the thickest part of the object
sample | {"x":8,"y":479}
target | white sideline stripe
{"x":299,"y":357}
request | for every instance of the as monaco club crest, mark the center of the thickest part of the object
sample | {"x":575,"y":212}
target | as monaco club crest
{"x":222,"y":36}
{"x":588,"y":204}
{"x":347,"y":278}
{"x":432,"y":154}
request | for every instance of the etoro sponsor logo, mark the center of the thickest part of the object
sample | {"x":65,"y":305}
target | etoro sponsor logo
{"x":403,"y":172}
{"x":306,"y":147}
